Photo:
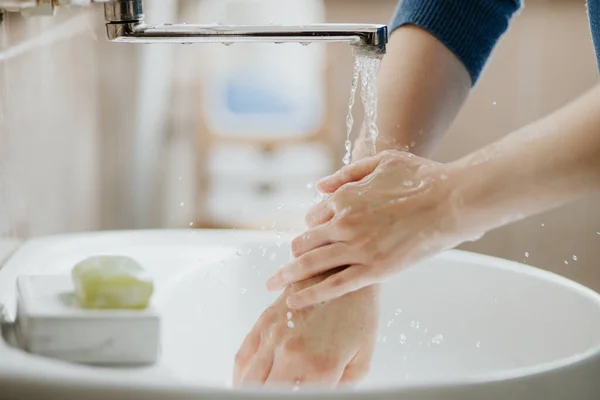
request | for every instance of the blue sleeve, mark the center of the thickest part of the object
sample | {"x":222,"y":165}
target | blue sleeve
{"x":594,"y":15}
{"x":468,"y":28}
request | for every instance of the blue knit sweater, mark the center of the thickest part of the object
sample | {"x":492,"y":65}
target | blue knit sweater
{"x":471,"y":28}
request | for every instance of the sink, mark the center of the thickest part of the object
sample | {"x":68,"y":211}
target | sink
{"x":459,"y":326}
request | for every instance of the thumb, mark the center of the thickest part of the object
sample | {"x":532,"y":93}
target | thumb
{"x":350,"y":173}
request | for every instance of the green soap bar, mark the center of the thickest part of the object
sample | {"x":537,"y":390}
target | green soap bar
{"x":111,"y":282}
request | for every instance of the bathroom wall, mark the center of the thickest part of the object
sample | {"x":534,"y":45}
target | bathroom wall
{"x":48,"y":129}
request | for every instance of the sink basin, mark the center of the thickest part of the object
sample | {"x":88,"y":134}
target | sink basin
{"x":459,"y":326}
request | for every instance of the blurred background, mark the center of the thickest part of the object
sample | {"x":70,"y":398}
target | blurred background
{"x":98,"y":136}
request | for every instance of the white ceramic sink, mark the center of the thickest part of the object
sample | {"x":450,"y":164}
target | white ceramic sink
{"x":470,"y":326}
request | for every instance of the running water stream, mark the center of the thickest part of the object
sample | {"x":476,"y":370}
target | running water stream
{"x":366,"y":68}
{"x":349,"y":117}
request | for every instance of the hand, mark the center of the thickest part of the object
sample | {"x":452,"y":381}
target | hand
{"x":385,"y":213}
{"x":328,"y":345}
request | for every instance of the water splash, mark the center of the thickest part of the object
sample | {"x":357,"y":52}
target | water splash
{"x":438,"y":339}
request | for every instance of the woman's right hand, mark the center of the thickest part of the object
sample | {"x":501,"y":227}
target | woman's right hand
{"x":385,"y":213}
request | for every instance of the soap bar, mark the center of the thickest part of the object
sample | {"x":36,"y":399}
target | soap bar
{"x":111,"y":282}
{"x":50,"y":323}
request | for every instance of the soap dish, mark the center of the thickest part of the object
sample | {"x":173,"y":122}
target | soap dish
{"x":49,"y":323}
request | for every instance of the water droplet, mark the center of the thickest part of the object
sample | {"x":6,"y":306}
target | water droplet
{"x":384,"y":339}
{"x":180,"y":178}
{"x":574,"y":258}
{"x":526,"y":254}
{"x":227,"y":43}
{"x":290,"y":324}
{"x":543,"y":225}
{"x":438,"y":339}
{"x":494,"y":103}
{"x":478,"y":344}
{"x":566,"y":262}
{"x":403,"y":338}
{"x":191,"y":224}
{"x":305,"y":43}
{"x":238,"y":253}
{"x":273,"y":256}
{"x":280,"y":206}
{"x":390,"y":323}
{"x":181,"y":204}
{"x":249,"y":251}
{"x":289,"y":315}
{"x":309,"y":185}
{"x":398,"y":311}
{"x":242,"y":290}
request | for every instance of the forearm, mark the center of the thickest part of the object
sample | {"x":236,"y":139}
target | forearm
{"x":539,"y":167}
{"x":422,"y":86}
{"x":436,"y":52}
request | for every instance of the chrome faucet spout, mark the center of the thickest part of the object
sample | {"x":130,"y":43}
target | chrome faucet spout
{"x":125,"y":23}
{"x":366,"y":38}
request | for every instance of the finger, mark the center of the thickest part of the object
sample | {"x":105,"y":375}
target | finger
{"x":247,"y":349}
{"x":297,"y":373}
{"x":350,"y":173}
{"x":311,"y":239}
{"x":285,"y":371}
{"x":337,"y":285}
{"x":259,"y":367}
{"x":319,"y":214}
{"x":312,"y":263}
{"x":357,"y":369}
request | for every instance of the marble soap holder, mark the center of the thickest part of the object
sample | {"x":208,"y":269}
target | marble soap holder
{"x":49,"y":323}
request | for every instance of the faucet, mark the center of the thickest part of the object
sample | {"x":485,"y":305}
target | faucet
{"x":125,"y":23}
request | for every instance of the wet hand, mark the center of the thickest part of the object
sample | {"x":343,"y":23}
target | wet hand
{"x":384,"y":213}
{"x":323,"y":345}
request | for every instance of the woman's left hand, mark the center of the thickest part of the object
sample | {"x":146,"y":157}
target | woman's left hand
{"x":384,"y":213}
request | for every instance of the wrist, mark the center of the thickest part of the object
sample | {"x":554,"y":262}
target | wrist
{"x":472,"y":205}
{"x":493,"y":187}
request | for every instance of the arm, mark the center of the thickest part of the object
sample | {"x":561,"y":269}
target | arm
{"x":436,"y":52}
{"x":542,"y":166}
{"x":379,"y":225}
